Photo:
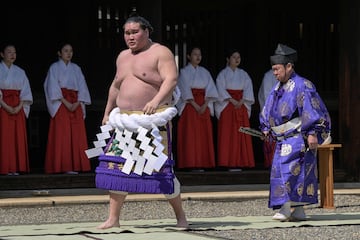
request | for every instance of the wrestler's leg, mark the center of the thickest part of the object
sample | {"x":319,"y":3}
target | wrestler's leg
{"x":117,"y":199}
{"x":176,"y":203}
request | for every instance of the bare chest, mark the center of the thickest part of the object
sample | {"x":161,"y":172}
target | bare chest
{"x":140,"y":66}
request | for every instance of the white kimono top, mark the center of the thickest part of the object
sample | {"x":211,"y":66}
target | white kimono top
{"x":267,"y":84}
{"x":67,"y":76}
{"x":14,"y":78}
{"x":199,"y":77}
{"x":235,"y":80}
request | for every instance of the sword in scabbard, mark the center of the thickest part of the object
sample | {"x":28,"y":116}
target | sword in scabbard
{"x":252,"y":132}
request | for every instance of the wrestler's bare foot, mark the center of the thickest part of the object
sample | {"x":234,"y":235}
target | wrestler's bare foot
{"x":108,"y":224}
{"x":182,"y":223}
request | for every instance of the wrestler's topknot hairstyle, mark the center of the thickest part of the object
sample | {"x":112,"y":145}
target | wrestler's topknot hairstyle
{"x":144,"y":24}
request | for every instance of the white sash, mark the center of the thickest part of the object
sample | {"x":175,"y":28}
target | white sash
{"x":293,"y":124}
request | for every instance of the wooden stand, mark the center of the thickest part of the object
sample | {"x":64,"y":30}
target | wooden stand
{"x":326,"y":174}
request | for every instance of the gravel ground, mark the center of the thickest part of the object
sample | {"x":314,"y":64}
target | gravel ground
{"x":194,"y":209}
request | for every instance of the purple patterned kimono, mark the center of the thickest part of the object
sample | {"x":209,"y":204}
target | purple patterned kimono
{"x":293,"y":111}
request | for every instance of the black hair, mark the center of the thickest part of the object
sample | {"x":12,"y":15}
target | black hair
{"x":190,"y":48}
{"x":231,"y":51}
{"x":5,"y":45}
{"x":62,"y":44}
{"x":144,"y":24}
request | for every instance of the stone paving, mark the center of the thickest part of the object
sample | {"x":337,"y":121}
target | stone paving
{"x":214,"y":212}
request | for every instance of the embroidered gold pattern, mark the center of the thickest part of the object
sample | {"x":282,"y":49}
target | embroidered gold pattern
{"x":111,"y":165}
{"x":308,"y":84}
{"x":288,"y":187}
{"x":279,"y":191}
{"x":315,"y":103}
{"x":300,"y":99}
{"x":310,"y":190}
{"x":300,"y":190}
{"x":295,"y":168}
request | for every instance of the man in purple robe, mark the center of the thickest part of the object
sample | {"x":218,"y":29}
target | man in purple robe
{"x":294,"y":115}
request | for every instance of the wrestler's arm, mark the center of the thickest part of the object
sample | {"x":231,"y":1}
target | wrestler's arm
{"x":168,"y":73}
{"x":111,"y":101}
{"x":113,"y":90}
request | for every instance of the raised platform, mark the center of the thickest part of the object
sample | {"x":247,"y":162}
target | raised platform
{"x":87,"y":180}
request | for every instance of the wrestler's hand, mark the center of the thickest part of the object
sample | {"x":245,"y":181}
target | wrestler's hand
{"x":105,"y":120}
{"x":150,"y":108}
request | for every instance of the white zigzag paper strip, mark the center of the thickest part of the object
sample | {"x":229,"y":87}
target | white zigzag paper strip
{"x":125,"y":126}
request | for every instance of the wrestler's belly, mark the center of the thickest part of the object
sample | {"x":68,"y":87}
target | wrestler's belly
{"x":134,"y":96}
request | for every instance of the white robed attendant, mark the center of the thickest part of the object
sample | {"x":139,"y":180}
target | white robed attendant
{"x":196,"y":77}
{"x":15,"y":78}
{"x":233,"y":110}
{"x":237,"y":79}
{"x":66,"y":95}
{"x":195,"y":147}
{"x":69,"y":76}
{"x":267,"y":84}
{"x":14,"y":91}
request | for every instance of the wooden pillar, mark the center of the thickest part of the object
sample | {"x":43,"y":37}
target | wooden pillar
{"x":349,"y":86}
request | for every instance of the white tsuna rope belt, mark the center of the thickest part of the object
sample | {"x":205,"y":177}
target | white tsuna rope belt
{"x":133,"y":122}
{"x":146,"y":156}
